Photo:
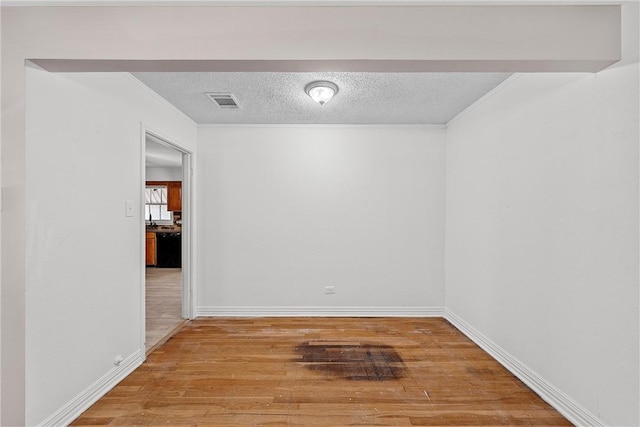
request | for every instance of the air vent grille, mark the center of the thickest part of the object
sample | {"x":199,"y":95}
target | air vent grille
{"x":224,"y":100}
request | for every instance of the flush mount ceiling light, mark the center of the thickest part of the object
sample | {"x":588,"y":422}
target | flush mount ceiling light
{"x":321,"y":91}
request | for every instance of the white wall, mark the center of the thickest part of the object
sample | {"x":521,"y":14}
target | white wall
{"x":46,"y":33}
{"x":542,"y":230}
{"x":286,"y":210}
{"x":421,"y":38}
{"x":164,"y":174}
{"x":84,"y":265}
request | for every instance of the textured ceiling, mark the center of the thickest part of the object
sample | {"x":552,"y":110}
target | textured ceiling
{"x":363,"y":98}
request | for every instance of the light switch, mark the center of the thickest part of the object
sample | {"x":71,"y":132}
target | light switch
{"x":128,"y":208}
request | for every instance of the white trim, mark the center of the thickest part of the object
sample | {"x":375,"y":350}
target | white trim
{"x":320,"y":126}
{"x":76,"y":406}
{"x":573,"y":411}
{"x":188,"y":217}
{"x":249,"y":311}
{"x":143,"y":244}
{"x":188,"y":257}
{"x":568,"y":407}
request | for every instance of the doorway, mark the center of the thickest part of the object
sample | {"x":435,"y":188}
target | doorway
{"x":167,"y":257}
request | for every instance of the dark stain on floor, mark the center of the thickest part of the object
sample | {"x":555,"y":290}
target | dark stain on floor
{"x":353,"y":361}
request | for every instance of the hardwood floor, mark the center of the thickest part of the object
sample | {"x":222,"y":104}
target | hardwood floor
{"x":320,"y":372}
{"x":163,"y":302}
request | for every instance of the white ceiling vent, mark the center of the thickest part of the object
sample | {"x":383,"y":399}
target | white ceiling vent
{"x":223,"y":100}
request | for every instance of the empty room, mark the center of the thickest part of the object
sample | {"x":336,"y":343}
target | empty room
{"x":370,"y":213}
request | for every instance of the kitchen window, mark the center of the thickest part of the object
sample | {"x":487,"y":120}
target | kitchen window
{"x":155,"y":203}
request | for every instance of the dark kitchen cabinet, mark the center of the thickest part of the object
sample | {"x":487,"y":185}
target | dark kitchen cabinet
{"x":151,"y":248}
{"x":174,"y":196}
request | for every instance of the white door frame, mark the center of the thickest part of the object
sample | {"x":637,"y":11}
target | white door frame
{"x":187,"y":227}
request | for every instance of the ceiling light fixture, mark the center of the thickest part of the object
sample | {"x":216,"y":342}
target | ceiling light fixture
{"x":321,"y":91}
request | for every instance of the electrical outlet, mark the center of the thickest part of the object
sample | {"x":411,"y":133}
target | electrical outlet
{"x":329,"y":290}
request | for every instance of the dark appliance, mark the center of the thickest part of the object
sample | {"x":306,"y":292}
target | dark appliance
{"x":169,"y":250}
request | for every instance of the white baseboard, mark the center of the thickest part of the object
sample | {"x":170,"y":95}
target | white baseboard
{"x":569,"y":408}
{"x":69,"y":412}
{"x":247,"y":311}
{"x":573,"y":411}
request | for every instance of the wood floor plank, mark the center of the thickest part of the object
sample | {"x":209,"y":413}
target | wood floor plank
{"x":163,"y":304}
{"x":299,"y":371}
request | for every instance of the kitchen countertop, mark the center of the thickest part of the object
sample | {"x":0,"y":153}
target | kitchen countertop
{"x":164,"y":229}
